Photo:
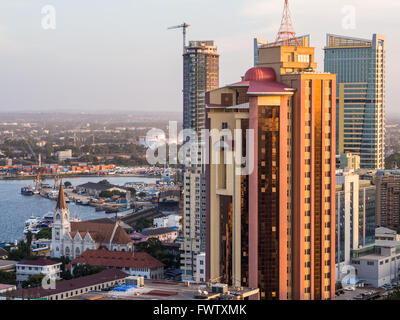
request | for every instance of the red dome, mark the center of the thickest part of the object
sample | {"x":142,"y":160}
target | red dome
{"x":260,"y":74}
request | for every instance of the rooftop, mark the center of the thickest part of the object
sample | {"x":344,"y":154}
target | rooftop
{"x":69,"y":285}
{"x":118,"y":259}
{"x":38,"y":262}
{"x":156,"y":232}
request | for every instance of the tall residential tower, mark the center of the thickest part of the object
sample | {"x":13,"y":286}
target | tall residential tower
{"x":201,"y":74}
{"x":274,"y":229}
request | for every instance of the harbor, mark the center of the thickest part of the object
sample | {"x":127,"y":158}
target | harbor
{"x":16,"y":209}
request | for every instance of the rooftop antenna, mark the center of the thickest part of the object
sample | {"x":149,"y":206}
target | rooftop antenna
{"x":183,"y":26}
{"x":286,"y":34}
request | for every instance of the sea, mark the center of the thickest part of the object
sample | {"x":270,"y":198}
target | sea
{"x":15,"y":208}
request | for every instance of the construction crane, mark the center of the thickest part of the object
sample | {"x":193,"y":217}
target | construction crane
{"x":183,"y":26}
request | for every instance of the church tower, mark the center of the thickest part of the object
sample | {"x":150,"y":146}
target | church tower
{"x":61,"y":224}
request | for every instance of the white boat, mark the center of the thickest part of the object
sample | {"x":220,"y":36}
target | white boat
{"x":32,"y":221}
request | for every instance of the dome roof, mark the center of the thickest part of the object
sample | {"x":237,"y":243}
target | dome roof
{"x":260,"y":74}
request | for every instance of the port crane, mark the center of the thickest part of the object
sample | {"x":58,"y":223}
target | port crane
{"x":183,"y":26}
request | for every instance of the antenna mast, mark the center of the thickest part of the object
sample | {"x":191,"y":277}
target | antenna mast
{"x":286,"y":34}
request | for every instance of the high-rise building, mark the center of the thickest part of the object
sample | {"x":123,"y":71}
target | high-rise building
{"x":387,"y":200}
{"x":274,"y":229}
{"x":360,"y":115}
{"x":201,"y":74}
{"x":355,"y":216}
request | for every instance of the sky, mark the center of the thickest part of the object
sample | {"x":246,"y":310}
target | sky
{"x":119,"y":56}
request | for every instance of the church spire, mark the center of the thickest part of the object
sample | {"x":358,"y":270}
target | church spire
{"x":61,"y":203}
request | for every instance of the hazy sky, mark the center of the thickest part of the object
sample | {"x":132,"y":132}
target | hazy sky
{"x":118,"y":55}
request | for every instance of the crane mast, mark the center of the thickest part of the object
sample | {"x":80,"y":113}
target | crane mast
{"x":183,"y":26}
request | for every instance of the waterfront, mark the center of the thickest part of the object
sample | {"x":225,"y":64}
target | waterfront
{"x":15,"y":208}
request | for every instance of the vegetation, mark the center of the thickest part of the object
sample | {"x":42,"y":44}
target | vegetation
{"x":105,"y":182}
{"x":142,"y":194}
{"x":143,"y":223}
{"x":110,"y":194}
{"x":34,"y":280}
{"x":22,"y":251}
{"x":395,"y":295}
{"x":86,"y":270}
{"x":154,"y":247}
{"x":45,"y":233}
{"x":67,"y":184}
{"x":8,"y":277}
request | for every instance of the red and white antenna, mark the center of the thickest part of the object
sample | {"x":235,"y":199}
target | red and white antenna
{"x":286,"y":34}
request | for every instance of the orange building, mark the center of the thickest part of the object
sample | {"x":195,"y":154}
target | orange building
{"x":274,"y":228}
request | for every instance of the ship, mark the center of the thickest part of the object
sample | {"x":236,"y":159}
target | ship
{"x":27,"y":191}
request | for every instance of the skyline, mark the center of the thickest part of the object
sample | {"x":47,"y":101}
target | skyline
{"x":104,"y":56}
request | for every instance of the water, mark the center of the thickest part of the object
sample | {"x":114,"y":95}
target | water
{"x":15,"y":208}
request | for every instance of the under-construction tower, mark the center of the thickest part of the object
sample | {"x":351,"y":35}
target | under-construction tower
{"x":286,"y":35}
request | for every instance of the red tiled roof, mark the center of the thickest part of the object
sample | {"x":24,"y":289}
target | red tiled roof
{"x":39,"y":262}
{"x":69,"y":285}
{"x":100,"y":232}
{"x":3,"y":252}
{"x":118,"y":259}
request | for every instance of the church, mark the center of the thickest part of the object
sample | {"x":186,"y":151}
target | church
{"x":70,"y":239}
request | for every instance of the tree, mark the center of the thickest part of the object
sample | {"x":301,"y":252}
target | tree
{"x":154,"y":247}
{"x":142,"y":194}
{"x":395,"y":295}
{"x":45,"y":233}
{"x":67,"y":184}
{"x":104,"y":182}
{"x":82,"y":270}
{"x":34,"y":280}
{"x":8,"y":277}
{"x":142,"y":223}
{"x":22,"y":251}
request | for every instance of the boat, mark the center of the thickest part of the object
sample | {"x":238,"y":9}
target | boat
{"x":82,"y":202}
{"x":27,"y":191}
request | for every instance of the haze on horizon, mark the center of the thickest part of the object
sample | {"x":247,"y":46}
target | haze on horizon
{"x":119,"y":55}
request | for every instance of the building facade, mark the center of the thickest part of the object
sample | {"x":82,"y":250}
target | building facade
{"x":274,"y":228}
{"x":355,"y":217}
{"x":46,"y":267}
{"x":71,"y":239}
{"x":387,"y":200}
{"x":360,"y":115}
{"x":201,"y":74}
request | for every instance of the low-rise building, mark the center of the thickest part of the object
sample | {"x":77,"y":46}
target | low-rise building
{"x":201,"y":267}
{"x":139,"y":264}
{"x":378,"y":264}
{"x":70,"y":288}
{"x":162,"y":234}
{"x":7,"y":265}
{"x":64,"y":155}
{"x":173,"y":220}
{"x":383,"y":233}
{"x":7,"y":288}
{"x":47,"y":267}
{"x":3,"y":254}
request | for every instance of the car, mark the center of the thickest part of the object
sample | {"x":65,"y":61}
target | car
{"x":389,"y":288}
{"x":349,"y":288}
{"x":358,"y":297}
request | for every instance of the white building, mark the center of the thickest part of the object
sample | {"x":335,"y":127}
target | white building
{"x":46,"y":267}
{"x":173,"y":220}
{"x":194,"y":221}
{"x":64,"y":155}
{"x":201,"y":267}
{"x":355,"y":216}
{"x":378,"y":264}
{"x":70,"y":239}
{"x":139,"y":264}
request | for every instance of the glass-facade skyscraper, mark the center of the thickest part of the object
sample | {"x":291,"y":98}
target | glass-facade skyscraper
{"x":360,"y":115}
